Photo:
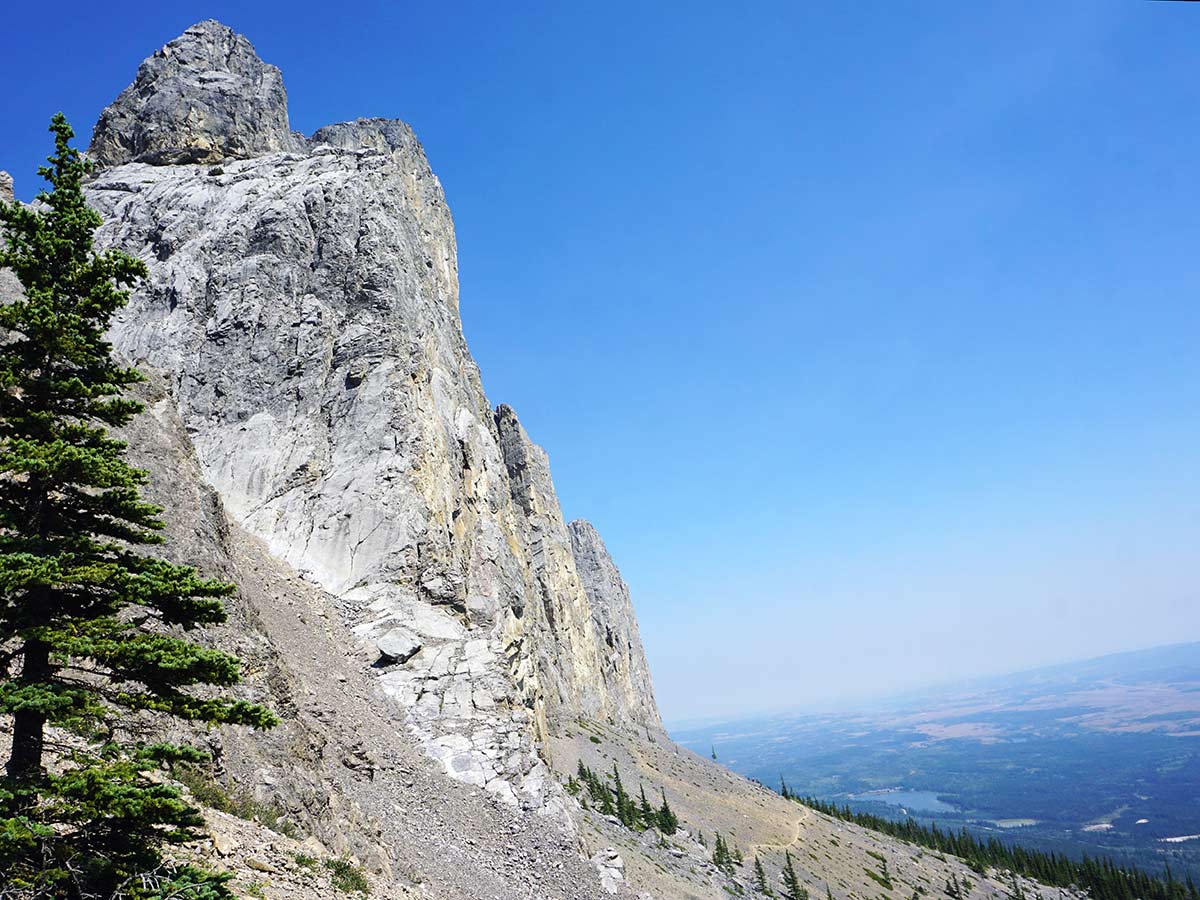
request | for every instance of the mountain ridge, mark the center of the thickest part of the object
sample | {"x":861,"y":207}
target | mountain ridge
{"x":444,"y":651}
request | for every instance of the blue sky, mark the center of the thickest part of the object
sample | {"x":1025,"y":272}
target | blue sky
{"x":865,"y":333}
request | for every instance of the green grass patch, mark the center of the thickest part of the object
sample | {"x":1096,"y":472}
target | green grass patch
{"x":885,"y":883}
{"x":208,"y":791}
{"x":347,"y":877}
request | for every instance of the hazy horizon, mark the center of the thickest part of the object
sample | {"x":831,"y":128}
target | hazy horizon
{"x":865,"y":337}
{"x":872,"y":702}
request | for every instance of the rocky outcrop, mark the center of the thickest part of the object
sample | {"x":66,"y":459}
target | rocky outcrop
{"x":340,"y":768}
{"x":622,"y":658}
{"x":9,"y":286}
{"x":304,"y":303}
{"x":203,"y":97}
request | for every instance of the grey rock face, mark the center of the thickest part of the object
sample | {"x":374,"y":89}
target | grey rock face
{"x":622,"y":656}
{"x":203,"y":97}
{"x":383,"y":135}
{"x":398,"y":645}
{"x":339,"y":766}
{"x":10,"y":288}
{"x":305,"y":305}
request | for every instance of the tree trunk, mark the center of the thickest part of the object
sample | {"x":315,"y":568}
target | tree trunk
{"x":25,"y":763}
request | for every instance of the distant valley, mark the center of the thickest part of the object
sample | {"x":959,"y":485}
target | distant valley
{"x":1101,"y":756}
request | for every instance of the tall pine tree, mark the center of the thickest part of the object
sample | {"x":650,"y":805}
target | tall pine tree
{"x":91,"y":627}
{"x":626,"y":808}
{"x":760,"y":879}
{"x":792,"y":888}
{"x":668,"y":822}
{"x":645,"y":810}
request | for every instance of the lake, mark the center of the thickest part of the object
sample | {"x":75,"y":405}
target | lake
{"x":918,"y":801}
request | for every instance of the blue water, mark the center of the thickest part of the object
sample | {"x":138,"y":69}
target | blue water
{"x":917,"y":801}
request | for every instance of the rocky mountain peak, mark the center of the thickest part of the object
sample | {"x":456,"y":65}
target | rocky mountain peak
{"x":6,"y":187}
{"x":303,"y":309}
{"x":203,"y":97}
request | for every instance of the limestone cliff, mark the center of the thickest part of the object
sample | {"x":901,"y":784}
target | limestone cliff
{"x":622,"y":657}
{"x":318,"y":433}
{"x":202,"y":97}
{"x":303,"y":303}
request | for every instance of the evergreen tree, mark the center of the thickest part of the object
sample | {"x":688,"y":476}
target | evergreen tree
{"x":607,"y":808}
{"x":792,"y":887}
{"x":90,"y":627}
{"x":760,"y":879}
{"x":783,"y":789}
{"x":668,"y":822}
{"x":645,"y":810}
{"x":626,"y":809}
{"x":723,"y":858}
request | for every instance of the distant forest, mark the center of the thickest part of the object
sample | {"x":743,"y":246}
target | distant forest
{"x":1102,"y":878}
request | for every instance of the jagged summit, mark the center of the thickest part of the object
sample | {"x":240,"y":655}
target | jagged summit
{"x":203,"y":97}
{"x":206,"y":96}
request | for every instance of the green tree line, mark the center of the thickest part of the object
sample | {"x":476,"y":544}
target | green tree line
{"x":1101,"y":877}
{"x":613,"y":800}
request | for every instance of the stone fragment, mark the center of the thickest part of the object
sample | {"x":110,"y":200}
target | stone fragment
{"x":223,"y":843}
{"x":399,"y":645}
{"x":611,"y":868}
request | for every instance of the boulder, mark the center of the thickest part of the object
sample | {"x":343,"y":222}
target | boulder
{"x":398,"y":646}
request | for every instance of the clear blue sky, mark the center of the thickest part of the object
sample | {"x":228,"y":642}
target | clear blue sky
{"x":866,"y":333}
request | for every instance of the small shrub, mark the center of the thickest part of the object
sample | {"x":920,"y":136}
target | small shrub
{"x":205,"y":789}
{"x":594,"y":739}
{"x":216,"y":170}
{"x":346,"y":876}
{"x":255,"y":889}
{"x":304,"y":861}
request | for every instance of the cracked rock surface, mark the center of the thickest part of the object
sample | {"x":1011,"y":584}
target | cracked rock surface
{"x":303,"y":308}
{"x":204,"y":96}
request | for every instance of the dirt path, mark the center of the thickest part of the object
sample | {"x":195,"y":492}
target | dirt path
{"x":757,"y":847}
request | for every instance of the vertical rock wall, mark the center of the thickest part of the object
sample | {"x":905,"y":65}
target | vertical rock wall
{"x":303,"y":309}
